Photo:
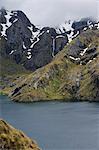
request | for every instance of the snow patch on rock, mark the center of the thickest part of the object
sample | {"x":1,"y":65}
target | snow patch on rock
{"x":24,"y":45}
{"x":38,"y":39}
{"x":12,"y":52}
{"x":73,"y":58}
{"x":29,"y":55}
{"x":8,"y":23}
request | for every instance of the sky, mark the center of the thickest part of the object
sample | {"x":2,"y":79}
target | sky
{"x":53,"y":12}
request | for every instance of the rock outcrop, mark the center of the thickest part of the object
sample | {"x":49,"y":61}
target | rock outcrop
{"x":13,"y":139}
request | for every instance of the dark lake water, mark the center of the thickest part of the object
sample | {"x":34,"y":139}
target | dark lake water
{"x":55,"y":125}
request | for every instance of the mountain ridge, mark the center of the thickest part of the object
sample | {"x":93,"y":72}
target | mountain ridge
{"x":53,"y":66}
{"x":33,"y":47}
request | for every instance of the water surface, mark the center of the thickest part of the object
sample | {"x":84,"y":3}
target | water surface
{"x":55,"y":125}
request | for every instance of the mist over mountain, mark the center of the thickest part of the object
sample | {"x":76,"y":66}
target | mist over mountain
{"x":53,"y":12}
{"x":35,"y":47}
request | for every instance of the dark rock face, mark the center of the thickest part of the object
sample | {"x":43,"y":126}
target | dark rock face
{"x":61,"y":41}
{"x":42,"y":51}
{"x":27,"y":44}
{"x":74,"y":51}
{"x":83,"y":23}
{"x":33,"y":47}
{"x":2,"y":16}
{"x":79,"y":25}
{"x":81,"y":51}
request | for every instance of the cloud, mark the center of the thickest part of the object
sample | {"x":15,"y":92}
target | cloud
{"x":53,"y":12}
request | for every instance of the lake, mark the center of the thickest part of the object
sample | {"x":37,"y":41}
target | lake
{"x":55,"y":125}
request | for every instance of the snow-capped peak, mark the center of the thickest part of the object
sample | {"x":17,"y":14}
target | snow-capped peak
{"x":66,"y":26}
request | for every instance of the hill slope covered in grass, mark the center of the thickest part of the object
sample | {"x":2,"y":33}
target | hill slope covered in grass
{"x":13,"y":139}
{"x":72,"y":75}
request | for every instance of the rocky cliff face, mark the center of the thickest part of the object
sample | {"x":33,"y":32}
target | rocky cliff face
{"x":25,"y":43}
{"x":13,"y":139}
{"x":32,"y":47}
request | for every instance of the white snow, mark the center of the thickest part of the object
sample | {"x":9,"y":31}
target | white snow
{"x":94,"y":58}
{"x":15,"y":20}
{"x":84,"y":51}
{"x":91,"y":26}
{"x":24,"y":45}
{"x":29,"y":55}
{"x":59,"y":36}
{"x":8,"y":16}
{"x":36,"y":40}
{"x":29,"y":50}
{"x":85,"y":29}
{"x":7,"y":25}
{"x":89,"y":61}
{"x":35,"y":43}
{"x":57,"y":30}
{"x":70,"y":36}
{"x":34,"y":34}
{"x":89,"y":22}
{"x":4,"y":29}
{"x":68,"y":25}
{"x":73,"y":58}
{"x":31,"y":40}
{"x":30,"y":28}
{"x":14,"y":12}
{"x":76,"y":34}
{"x":12,"y":52}
{"x":48,"y":31}
{"x":98,"y":26}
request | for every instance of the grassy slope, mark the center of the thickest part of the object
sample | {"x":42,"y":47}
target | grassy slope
{"x":9,"y":72}
{"x":62,"y":78}
{"x":13,"y":139}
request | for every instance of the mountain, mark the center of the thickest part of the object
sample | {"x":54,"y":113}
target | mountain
{"x":33,"y":47}
{"x":72,"y":75}
{"x":25,"y":43}
{"x":48,"y":63}
{"x":13,"y":139}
